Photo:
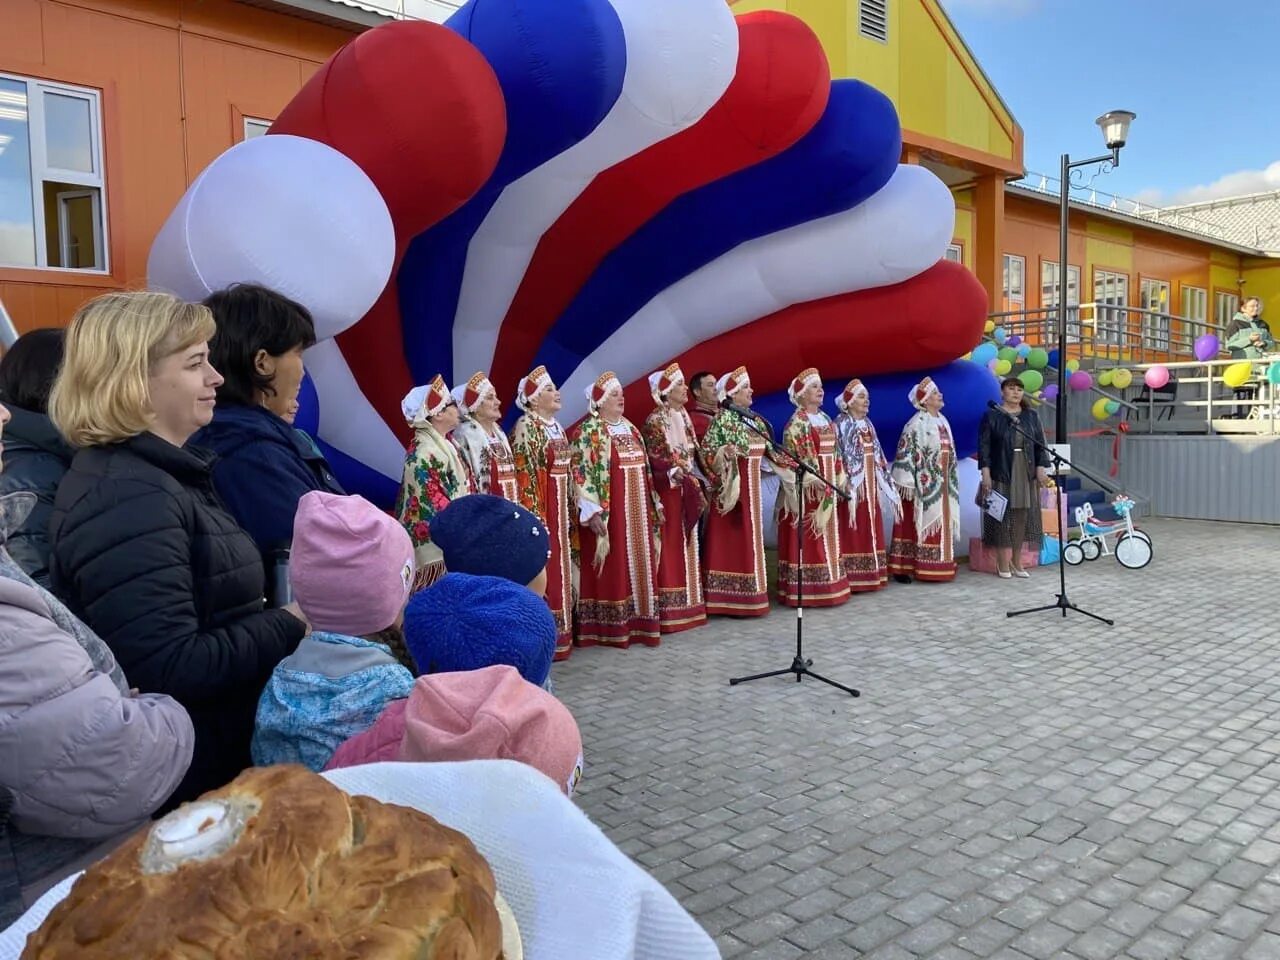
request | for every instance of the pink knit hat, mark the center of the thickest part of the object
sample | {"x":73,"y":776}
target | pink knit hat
{"x":492,"y":714}
{"x":351,"y":565}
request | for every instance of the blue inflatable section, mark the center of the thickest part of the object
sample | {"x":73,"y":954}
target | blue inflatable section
{"x":850,"y":153}
{"x":966,"y":388}
{"x":560,"y":64}
{"x":354,"y":475}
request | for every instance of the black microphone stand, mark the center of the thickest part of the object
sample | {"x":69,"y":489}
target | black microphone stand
{"x":1063,"y":602}
{"x":799,"y":665}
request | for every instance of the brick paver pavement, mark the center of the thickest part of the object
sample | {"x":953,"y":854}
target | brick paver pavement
{"x":1005,"y":788}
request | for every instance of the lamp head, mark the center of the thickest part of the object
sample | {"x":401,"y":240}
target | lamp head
{"x":1115,"y":127}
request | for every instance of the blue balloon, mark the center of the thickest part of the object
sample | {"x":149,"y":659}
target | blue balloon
{"x":849,"y":154}
{"x":1000,"y":335}
{"x":984,"y":353}
{"x":1024,"y":349}
{"x":966,"y":387}
{"x":1053,"y":359}
{"x":560,"y":64}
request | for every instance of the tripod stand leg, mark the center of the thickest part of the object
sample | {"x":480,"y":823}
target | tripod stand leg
{"x":734,"y":681}
{"x":1048,"y":606}
{"x":1072,"y":606}
{"x":805,"y":672}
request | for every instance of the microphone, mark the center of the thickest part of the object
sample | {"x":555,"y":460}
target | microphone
{"x":993,"y":405}
{"x":740,"y":411}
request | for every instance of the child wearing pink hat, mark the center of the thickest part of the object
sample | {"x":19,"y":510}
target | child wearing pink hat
{"x":487,"y":714}
{"x":351,"y":568}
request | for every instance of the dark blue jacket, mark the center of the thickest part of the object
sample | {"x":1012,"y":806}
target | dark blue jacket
{"x":35,"y":459}
{"x":264,"y":467}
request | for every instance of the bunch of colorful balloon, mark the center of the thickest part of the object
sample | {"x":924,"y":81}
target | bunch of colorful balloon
{"x":1008,"y":354}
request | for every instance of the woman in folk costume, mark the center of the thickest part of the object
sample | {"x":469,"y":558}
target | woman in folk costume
{"x":924,"y":471}
{"x":544,"y":487}
{"x":735,"y":583}
{"x":861,"y":523}
{"x":620,"y":521}
{"x":672,"y":447}
{"x":482,"y":441}
{"x":434,"y":475}
{"x":811,"y":438}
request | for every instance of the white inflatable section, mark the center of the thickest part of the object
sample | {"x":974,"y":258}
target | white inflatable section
{"x":897,"y":233}
{"x":289,"y":213}
{"x":970,"y":516}
{"x":348,"y":421}
{"x":681,"y":57}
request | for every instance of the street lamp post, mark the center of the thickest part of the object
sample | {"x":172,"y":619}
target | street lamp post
{"x":1115,"y":131}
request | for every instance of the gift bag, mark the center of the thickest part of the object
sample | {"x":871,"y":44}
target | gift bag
{"x":1050,"y":547}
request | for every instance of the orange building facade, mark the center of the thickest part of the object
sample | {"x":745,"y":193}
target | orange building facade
{"x":158,"y":89}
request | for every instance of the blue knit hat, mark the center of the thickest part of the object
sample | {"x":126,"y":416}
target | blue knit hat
{"x":488,"y":536}
{"x":463,"y":622}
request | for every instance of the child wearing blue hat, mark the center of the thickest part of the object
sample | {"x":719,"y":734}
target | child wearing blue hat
{"x":484,"y":535}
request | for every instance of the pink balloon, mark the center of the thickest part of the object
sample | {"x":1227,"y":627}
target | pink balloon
{"x":991,"y":364}
{"x":1080,"y":380}
{"x":1156,"y":377}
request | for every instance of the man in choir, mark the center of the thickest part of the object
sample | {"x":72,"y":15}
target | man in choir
{"x":706,"y":404}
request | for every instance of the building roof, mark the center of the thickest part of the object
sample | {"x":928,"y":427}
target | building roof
{"x":1252,"y":220}
{"x":364,"y":13}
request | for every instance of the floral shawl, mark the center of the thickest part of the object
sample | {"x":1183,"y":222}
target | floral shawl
{"x":917,"y":472}
{"x":434,"y":474}
{"x":592,"y":458}
{"x":800,"y":439}
{"x":529,"y":440}
{"x":727,"y":438}
{"x":850,"y":448}
{"x":654,"y":434}
{"x":473,"y":442}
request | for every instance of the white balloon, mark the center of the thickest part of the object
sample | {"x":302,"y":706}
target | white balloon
{"x":970,"y":516}
{"x":897,"y":233}
{"x":681,"y":57}
{"x":289,"y":213}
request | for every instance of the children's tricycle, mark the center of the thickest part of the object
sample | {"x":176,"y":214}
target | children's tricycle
{"x":1132,"y":547}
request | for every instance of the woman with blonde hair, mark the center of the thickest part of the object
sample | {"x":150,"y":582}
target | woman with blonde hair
{"x":142,"y":548}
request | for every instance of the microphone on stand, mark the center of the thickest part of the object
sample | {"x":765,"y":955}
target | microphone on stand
{"x":993,"y":405}
{"x":740,"y":411}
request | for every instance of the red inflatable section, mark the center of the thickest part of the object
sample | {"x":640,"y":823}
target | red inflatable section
{"x":926,"y":321}
{"x":778,"y":94}
{"x":427,"y":149}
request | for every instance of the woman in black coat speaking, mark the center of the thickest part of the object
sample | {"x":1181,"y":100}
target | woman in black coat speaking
{"x":1013,"y":462}
{"x":142,"y":549}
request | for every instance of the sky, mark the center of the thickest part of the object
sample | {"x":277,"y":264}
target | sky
{"x":1203,"y":78}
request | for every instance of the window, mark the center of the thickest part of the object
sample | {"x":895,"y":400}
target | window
{"x":1049,"y":298}
{"x":255,"y":127}
{"x":1111,"y":297}
{"x":1195,"y":308}
{"x":52,"y":202}
{"x":1154,"y":295}
{"x":1015,"y":282}
{"x":873,"y":20}
{"x":1225,"y":306}
{"x":955,"y":253}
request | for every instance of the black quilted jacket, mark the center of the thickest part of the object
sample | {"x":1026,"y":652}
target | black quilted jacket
{"x":145,"y":554}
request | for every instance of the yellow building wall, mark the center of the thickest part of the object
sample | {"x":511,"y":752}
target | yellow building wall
{"x":938,"y":88}
{"x":1262,"y":279}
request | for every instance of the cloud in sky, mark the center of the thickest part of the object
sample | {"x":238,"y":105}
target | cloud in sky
{"x":1236,"y":184}
{"x":1002,"y":8}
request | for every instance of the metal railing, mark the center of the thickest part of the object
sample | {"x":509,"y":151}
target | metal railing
{"x":1105,"y":331}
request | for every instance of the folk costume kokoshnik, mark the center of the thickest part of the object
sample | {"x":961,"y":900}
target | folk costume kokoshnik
{"x":810,"y":437}
{"x":544,"y":486}
{"x":924,"y":472}
{"x":672,"y":446}
{"x":434,"y":475}
{"x":483,"y":444}
{"x":862,"y":535}
{"x":617,"y":601}
{"x":735,"y":583}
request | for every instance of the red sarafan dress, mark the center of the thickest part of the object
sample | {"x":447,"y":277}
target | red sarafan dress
{"x":811,"y":438}
{"x":862,"y":537}
{"x":544,"y":486}
{"x":924,"y":471}
{"x":617,"y":581}
{"x":671,"y":445}
{"x":735,"y":580}
{"x":490,"y":458}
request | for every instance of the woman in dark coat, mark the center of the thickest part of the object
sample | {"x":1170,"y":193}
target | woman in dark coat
{"x":1014,"y":467}
{"x":35,"y":456}
{"x":142,"y":549}
{"x":264,"y":465}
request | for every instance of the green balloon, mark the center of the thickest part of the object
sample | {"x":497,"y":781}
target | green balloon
{"x":1032,"y":380}
{"x":1273,"y":373}
{"x":1038,"y":358}
{"x":1008,"y":353}
{"x":1113,"y":406}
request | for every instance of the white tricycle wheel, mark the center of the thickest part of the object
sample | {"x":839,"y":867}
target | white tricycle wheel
{"x":1133,"y":552}
{"x":1072,"y":554}
{"x":1091,"y":549}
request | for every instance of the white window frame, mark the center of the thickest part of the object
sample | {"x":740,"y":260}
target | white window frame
{"x":1015,"y":297}
{"x":1050,"y":282}
{"x":1112,"y":308}
{"x":1225,"y":306}
{"x":1155,"y":329}
{"x":1195,"y":308}
{"x":42,"y":172}
{"x":955,"y":253}
{"x":254,"y":123}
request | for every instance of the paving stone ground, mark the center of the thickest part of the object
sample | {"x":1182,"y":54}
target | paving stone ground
{"x":1020,"y":789}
